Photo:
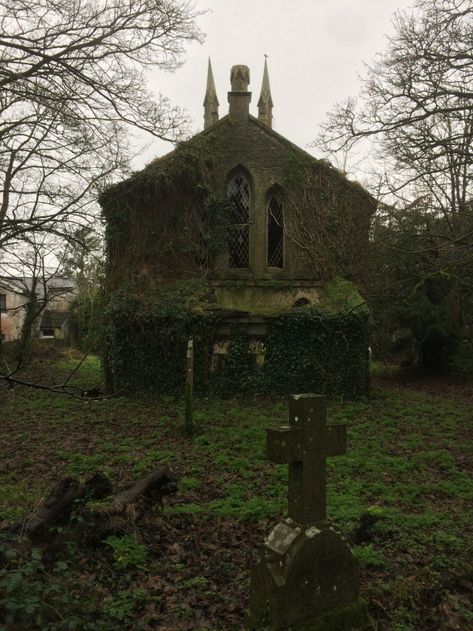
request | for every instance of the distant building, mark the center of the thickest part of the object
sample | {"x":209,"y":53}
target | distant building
{"x":54,"y":297}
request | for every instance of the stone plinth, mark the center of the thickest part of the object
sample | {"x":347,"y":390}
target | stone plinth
{"x":308,"y":576}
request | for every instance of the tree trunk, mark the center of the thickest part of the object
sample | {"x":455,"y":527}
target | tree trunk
{"x":69,"y":497}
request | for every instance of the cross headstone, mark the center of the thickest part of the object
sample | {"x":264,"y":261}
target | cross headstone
{"x":307,"y":577}
{"x":304,"y":444}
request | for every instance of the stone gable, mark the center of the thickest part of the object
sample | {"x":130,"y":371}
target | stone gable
{"x":241,"y":230}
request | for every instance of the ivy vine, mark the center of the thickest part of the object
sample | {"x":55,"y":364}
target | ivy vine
{"x":306,"y":351}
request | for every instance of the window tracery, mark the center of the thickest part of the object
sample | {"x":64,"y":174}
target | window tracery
{"x":275,"y":234}
{"x":240,"y":193}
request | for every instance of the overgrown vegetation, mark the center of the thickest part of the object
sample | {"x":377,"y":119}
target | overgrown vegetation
{"x":306,"y":349}
{"x":408,"y":465}
{"x":166,"y":221}
{"x":330,"y":218}
{"x":415,"y":106}
{"x":87,"y":319}
{"x":422,"y":303}
{"x":168,"y":231}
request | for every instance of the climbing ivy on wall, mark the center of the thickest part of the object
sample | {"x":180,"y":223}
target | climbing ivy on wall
{"x":307,"y":350}
{"x":317,"y":351}
{"x":166,"y":221}
{"x":330,"y":217}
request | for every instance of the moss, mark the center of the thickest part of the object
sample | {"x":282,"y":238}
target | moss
{"x":340,"y":294}
{"x":268,"y":299}
{"x":272,"y":298}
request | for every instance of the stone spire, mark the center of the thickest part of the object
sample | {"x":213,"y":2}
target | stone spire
{"x":210,"y":101}
{"x":239,"y":97}
{"x":265,"y":103}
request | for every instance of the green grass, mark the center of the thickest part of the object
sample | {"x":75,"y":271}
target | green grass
{"x":408,"y":456}
{"x":385,"y":371}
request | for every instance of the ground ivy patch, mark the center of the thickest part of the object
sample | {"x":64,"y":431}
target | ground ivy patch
{"x":408,"y":463}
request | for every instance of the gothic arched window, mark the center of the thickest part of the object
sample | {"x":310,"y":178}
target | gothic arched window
{"x":275,"y":220}
{"x":239,"y":248}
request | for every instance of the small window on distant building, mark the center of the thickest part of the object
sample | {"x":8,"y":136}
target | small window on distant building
{"x":275,"y":218}
{"x":239,"y":249}
{"x":3,"y":301}
{"x":47,"y":332}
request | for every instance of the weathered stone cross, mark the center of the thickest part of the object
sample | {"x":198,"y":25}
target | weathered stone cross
{"x":304,"y":444}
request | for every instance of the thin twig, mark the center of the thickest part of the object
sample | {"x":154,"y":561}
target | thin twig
{"x":59,"y":389}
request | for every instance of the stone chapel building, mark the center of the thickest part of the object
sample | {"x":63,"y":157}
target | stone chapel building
{"x":265,"y":229}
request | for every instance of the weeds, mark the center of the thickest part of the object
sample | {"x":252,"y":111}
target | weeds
{"x":409,"y":456}
{"x":128,"y":551}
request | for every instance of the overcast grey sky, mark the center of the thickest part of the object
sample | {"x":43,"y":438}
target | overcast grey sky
{"x":315,"y":48}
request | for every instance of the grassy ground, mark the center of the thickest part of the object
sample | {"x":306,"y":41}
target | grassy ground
{"x":409,"y":463}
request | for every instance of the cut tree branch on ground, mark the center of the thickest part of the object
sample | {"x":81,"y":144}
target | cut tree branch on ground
{"x":69,"y":497}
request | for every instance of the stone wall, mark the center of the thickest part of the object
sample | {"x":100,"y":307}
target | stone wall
{"x":155,"y":224}
{"x":272,"y":161}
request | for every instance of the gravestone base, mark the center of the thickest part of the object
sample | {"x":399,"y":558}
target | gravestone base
{"x":307,"y":580}
{"x":354,"y":617}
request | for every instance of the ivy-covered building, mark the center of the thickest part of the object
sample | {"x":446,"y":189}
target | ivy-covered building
{"x":247,"y":243}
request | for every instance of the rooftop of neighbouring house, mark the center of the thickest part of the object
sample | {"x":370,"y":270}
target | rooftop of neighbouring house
{"x":24,"y":284}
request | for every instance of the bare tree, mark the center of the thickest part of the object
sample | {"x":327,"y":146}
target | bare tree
{"x":425,"y":71}
{"x":416,"y":106}
{"x":72,"y":84}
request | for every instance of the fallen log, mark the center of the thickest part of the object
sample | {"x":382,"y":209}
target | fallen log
{"x":154,"y":487}
{"x":69,"y":498}
{"x":60,"y":503}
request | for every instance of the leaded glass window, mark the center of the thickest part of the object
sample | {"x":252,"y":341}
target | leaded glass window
{"x":275,"y":218}
{"x":239,"y":248}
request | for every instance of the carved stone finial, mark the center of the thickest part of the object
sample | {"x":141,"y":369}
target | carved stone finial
{"x":240,"y":78}
{"x":239,"y":97}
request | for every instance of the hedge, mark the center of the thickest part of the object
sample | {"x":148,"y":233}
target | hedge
{"x":307,"y":350}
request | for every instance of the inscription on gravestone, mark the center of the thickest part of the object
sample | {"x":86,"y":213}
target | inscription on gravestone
{"x":308,"y":575}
